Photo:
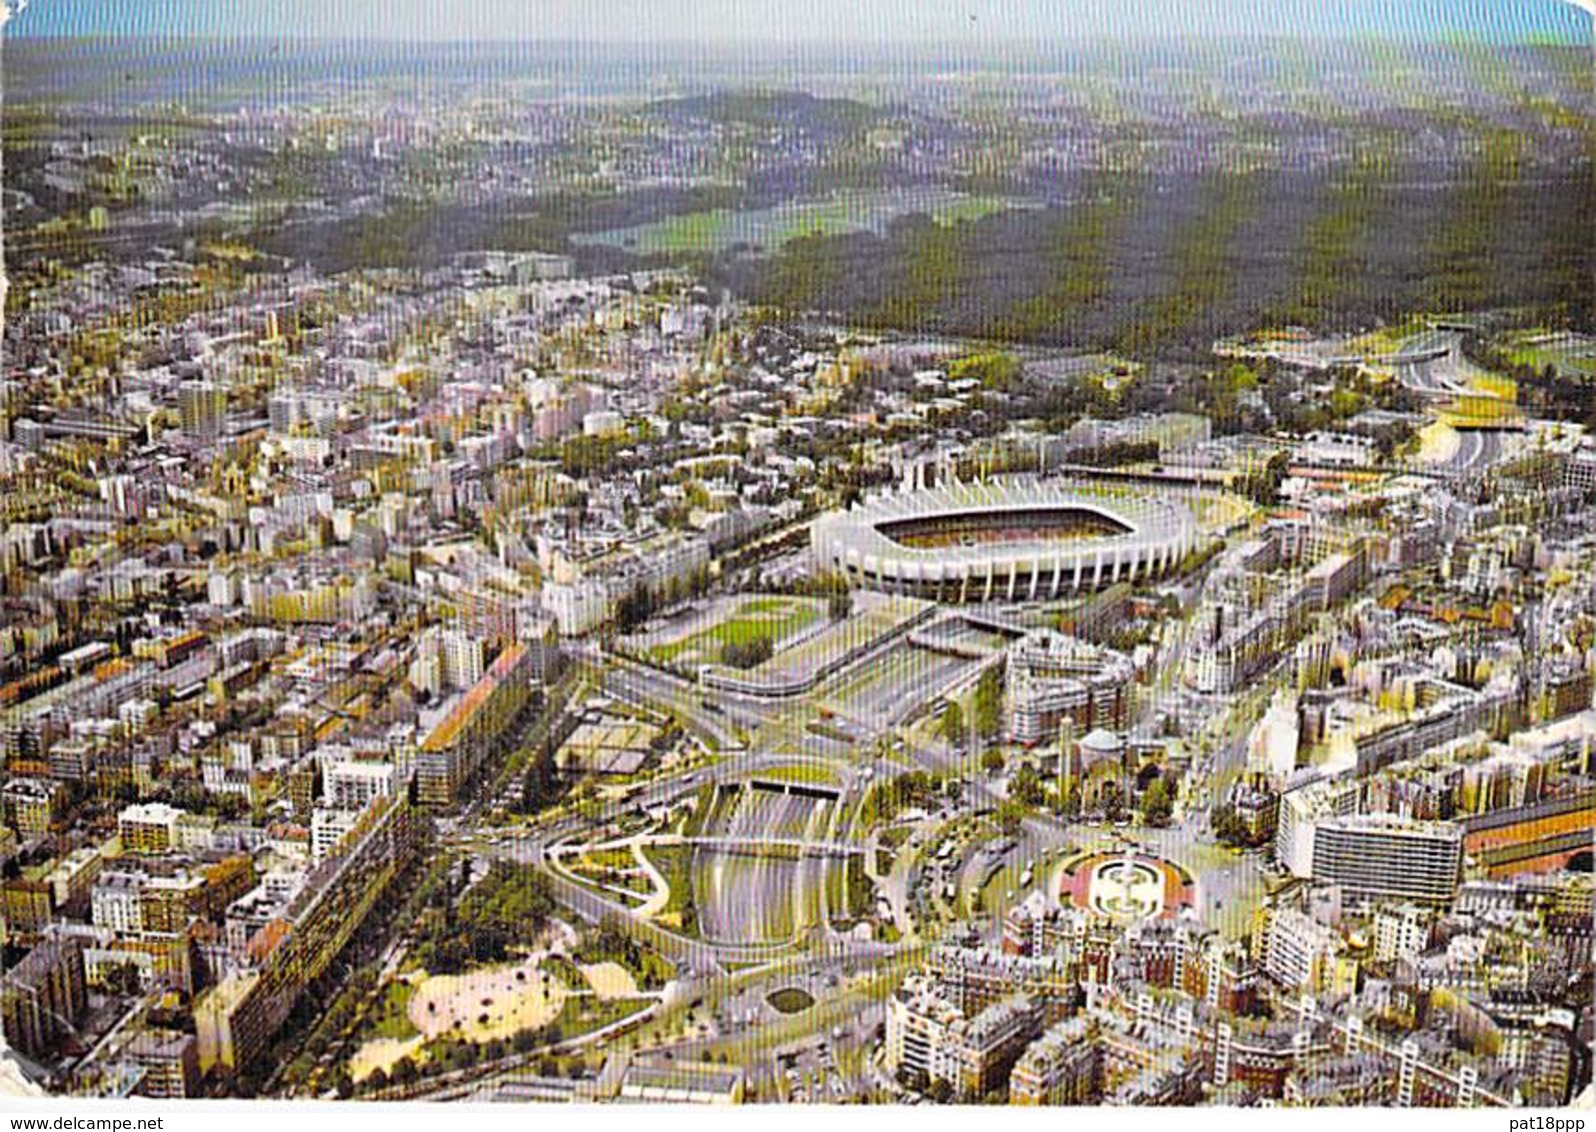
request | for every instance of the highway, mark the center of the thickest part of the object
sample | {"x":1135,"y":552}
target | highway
{"x":699,"y":956}
{"x":755,"y":857}
{"x":1446,"y":375}
{"x":748,"y":898}
{"x":735,"y":920}
{"x":1477,"y":450}
{"x":1433,"y":363}
{"x":649,"y":688}
{"x":896,"y":684}
{"x":1433,"y":376}
{"x":760,"y":871}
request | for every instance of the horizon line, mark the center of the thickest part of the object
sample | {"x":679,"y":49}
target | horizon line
{"x":1007,"y":40}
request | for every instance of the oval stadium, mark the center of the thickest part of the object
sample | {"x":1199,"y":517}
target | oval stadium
{"x":1008,"y":540}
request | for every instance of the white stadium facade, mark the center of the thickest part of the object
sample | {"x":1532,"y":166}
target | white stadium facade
{"x":1007,"y":540}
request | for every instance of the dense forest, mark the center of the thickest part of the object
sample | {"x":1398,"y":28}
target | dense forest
{"x":1165,"y":266}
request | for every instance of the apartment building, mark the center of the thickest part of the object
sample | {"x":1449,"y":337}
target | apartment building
{"x":1379,"y":855}
{"x":43,"y":995}
{"x":235,"y":1020}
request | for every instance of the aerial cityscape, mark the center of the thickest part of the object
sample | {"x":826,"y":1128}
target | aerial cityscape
{"x":1055,"y":567}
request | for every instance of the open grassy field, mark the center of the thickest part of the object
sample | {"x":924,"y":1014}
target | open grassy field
{"x":384,"y":1054}
{"x":791,"y":1000}
{"x":632,"y":881}
{"x":777,"y":618}
{"x":674,"y":863}
{"x":584,"y":1015}
{"x":610,"y":981}
{"x":874,"y":616}
{"x":1570,"y":354}
{"x":392,"y":1035}
{"x":719,"y":230}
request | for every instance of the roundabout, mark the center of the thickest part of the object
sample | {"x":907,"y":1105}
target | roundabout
{"x":1127,"y":886}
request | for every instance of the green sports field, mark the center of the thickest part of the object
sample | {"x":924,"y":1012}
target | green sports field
{"x":777,"y":618}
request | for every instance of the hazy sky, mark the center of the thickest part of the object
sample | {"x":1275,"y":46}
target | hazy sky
{"x":856,"y":21}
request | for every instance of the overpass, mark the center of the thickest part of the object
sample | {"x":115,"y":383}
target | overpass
{"x":755,"y":846}
{"x":687,"y":951}
{"x":1411,"y":357}
{"x":803,"y":790}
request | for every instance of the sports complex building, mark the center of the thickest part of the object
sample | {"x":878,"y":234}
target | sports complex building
{"x":1013,"y":539}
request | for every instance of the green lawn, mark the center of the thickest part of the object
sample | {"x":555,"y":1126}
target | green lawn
{"x":584,"y":1015}
{"x":610,"y":858}
{"x":646,"y":965}
{"x":392,"y":1018}
{"x":1564,"y":362}
{"x":675,"y":864}
{"x":805,"y":774}
{"x":637,"y":883}
{"x":775,"y":618}
{"x":565,"y":971}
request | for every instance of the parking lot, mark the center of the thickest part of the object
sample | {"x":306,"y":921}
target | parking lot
{"x":809,"y":1074}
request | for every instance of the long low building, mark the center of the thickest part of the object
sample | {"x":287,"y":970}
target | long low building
{"x":1012,"y":539}
{"x":471,"y":727}
{"x":236,"y":1020}
{"x":1384,"y":856}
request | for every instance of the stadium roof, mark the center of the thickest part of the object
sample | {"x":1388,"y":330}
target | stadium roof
{"x":1151,"y":521}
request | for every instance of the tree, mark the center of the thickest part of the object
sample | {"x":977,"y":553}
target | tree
{"x":1262,"y":485}
{"x":952,"y":724}
{"x":746,"y":654}
{"x":989,"y":703}
{"x":1027,"y":786}
{"x":993,"y":371}
{"x":635,"y":607}
{"x":609,"y":939}
{"x":1157,"y":806}
{"x":992,"y":760}
{"x":540,"y":786}
{"x":123,"y":980}
{"x":1229,"y":827}
{"x":1010,"y":816}
{"x":1113,"y":801}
